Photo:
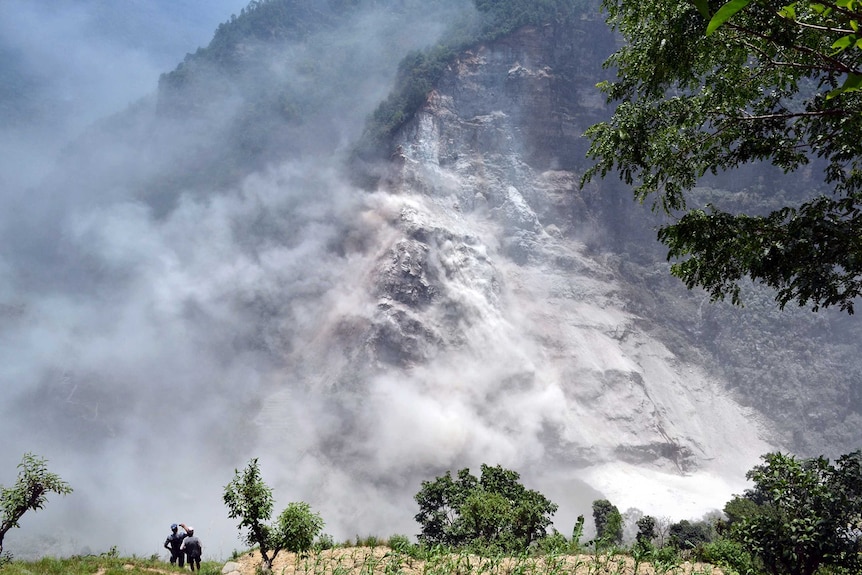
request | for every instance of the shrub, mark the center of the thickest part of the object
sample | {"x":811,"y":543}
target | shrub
{"x":726,"y":553}
{"x":298,"y":526}
{"x":401,"y":544}
{"x":555,"y":544}
{"x":324,"y":541}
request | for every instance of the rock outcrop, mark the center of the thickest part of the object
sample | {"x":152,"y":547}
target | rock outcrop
{"x":496,"y":313}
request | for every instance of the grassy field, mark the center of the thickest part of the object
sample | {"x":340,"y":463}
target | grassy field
{"x":368,"y":561}
{"x":102,"y":565}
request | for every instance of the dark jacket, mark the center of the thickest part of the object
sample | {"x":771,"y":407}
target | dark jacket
{"x":192,"y":546}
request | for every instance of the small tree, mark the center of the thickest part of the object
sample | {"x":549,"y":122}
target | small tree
{"x":29,"y":492}
{"x":250,"y":499}
{"x":495,"y":510}
{"x":298,"y":526}
{"x":609,"y":522}
{"x":646,"y":531}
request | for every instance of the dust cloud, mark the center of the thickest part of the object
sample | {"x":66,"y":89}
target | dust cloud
{"x":155,"y":336}
{"x":139,"y":329}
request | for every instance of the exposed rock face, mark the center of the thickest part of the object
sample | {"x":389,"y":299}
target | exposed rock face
{"x":497,"y":317}
{"x":489,"y":168}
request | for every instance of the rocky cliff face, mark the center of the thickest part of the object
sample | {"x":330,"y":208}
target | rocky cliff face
{"x":497,"y":326}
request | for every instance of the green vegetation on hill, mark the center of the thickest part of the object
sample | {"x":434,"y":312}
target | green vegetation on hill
{"x":802,"y":517}
{"x":419,"y":71}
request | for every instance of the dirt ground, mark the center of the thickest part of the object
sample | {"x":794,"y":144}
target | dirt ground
{"x":382,"y":561}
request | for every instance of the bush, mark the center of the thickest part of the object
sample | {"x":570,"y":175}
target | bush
{"x":727,"y":553}
{"x":665,"y":556}
{"x":690,"y":535}
{"x":555,"y":544}
{"x":324,"y":541}
{"x":401,"y":544}
{"x":298,"y":526}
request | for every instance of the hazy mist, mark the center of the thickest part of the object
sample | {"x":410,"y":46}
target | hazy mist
{"x":138,"y":333}
{"x":156,"y":334}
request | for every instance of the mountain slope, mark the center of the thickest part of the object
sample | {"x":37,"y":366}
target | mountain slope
{"x":175,"y":302}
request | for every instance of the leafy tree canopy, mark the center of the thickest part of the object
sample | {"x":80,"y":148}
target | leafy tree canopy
{"x":646,"y":531}
{"x":801,"y":514}
{"x":492,"y":511}
{"x":249,"y":499}
{"x":705,"y":88}
{"x":30,"y":492}
{"x":690,"y":535}
{"x":609,"y":522}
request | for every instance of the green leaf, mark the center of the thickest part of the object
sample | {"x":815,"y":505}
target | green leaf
{"x":702,"y":7}
{"x":853,"y":83}
{"x":788,"y":12}
{"x":844,"y":42}
{"x":724,"y":13}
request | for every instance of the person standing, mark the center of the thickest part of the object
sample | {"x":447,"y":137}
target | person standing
{"x":193,"y":548}
{"x":174,"y":544}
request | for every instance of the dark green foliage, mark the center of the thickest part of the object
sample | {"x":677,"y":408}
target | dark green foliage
{"x":494,"y":511}
{"x":740,"y":508}
{"x":811,"y":254}
{"x":646,"y":531}
{"x":401,"y":544}
{"x":609,"y":522}
{"x":806,"y":514}
{"x":556,"y":544}
{"x":665,"y":557}
{"x":29,"y":493}
{"x":324,"y":541}
{"x":724,"y":552}
{"x":761,"y":89}
{"x":417,"y":74}
{"x":690,"y":535}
